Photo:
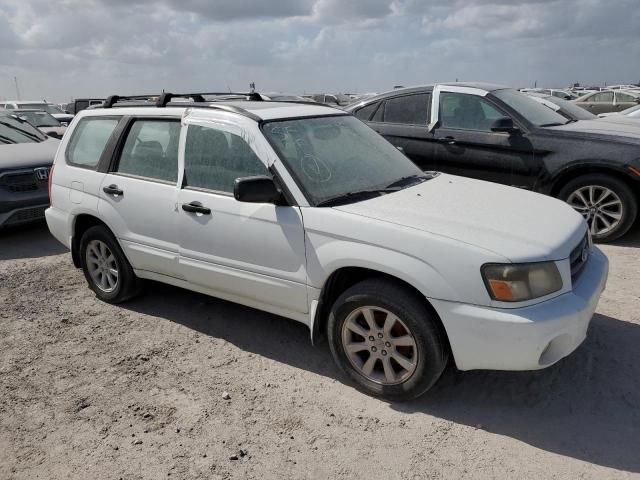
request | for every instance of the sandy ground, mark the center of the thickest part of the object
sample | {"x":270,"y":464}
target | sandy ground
{"x":93,"y":391}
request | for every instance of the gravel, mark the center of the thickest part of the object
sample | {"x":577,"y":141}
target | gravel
{"x":137,"y":391}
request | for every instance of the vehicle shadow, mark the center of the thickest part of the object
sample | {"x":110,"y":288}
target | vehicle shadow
{"x":28,"y":241}
{"x":586,"y":407}
{"x":631,"y":238}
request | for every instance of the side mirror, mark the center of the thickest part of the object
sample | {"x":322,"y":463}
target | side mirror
{"x":503,"y":124}
{"x":258,"y":189}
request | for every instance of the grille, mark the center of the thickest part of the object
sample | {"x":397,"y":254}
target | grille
{"x":26,"y":215}
{"x":24,"y":181}
{"x":577,"y":260}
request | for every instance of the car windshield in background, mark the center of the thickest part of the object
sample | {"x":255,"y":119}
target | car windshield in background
{"x":39,"y":119}
{"x":572,"y":109}
{"x":339,"y":159}
{"x":533,"y":111}
{"x":14,"y":130}
{"x":41,"y":106}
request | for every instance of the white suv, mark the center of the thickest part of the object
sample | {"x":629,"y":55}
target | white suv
{"x":305,"y":212}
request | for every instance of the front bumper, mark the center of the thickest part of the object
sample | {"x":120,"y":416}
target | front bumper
{"x":528,"y":338}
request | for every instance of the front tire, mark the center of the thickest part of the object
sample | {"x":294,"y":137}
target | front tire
{"x":608,"y":204}
{"x":385,"y":339}
{"x":105,"y":267}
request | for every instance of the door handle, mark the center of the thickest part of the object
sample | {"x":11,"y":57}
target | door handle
{"x":449,"y":140}
{"x":112,"y":190}
{"x":195,"y":207}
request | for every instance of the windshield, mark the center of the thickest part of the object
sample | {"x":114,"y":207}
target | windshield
{"x":533,"y":111}
{"x":337,"y":156}
{"x":38,"y":119}
{"x":14,"y":130}
{"x":573,"y":111}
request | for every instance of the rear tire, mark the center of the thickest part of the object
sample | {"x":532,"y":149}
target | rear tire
{"x":105,"y":267}
{"x":607,"y":203}
{"x":400,"y":350}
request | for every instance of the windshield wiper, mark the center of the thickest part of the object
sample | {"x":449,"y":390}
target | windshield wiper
{"x":26,"y":133}
{"x":408,"y":180}
{"x":554,"y":124}
{"x":6,"y":139}
{"x":354,"y":196}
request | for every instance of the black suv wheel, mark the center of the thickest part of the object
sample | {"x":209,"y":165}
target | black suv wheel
{"x":608,"y":204}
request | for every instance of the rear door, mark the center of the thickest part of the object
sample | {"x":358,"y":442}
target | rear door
{"x":251,"y":253}
{"x":138,"y":194}
{"x":624,"y":101}
{"x":403,"y":120}
{"x":464,"y":142}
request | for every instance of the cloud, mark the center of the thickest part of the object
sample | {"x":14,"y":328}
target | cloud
{"x":72,"y":48}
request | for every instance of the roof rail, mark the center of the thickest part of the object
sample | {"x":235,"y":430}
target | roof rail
{"x":113,"y":99}
{"x":166,"y":97}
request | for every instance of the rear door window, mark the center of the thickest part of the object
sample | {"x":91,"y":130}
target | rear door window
{"x":89,"y":139}
{"x":408,"y":109}
{"x":151,"y":150}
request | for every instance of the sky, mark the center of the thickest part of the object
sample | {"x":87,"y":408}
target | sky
{"x":63,"y":49}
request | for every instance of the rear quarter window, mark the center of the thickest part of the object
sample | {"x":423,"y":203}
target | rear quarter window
{"x":88,"y":141}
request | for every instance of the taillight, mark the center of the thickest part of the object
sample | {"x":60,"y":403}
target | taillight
{"x":49,"y":182}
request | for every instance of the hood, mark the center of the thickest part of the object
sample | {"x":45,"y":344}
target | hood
{"x":56,"y":132}
{"x":602,"y":127}
{"x":517,"y":224}
{"x":24,"y":155}
{"x":621,"y":119}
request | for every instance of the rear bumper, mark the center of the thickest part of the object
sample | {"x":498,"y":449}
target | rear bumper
{"x":58,"y":223}
{"x":527,"y":338}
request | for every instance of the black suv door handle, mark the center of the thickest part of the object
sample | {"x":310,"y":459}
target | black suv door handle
{"x":195,"y":207}
{"x":112,"y":190}
{"x":449,"y":140}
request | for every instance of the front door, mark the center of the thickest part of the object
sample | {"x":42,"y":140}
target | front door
{"x":250,"y":253}
{"x":464,"y":143}
{"x":138,"y":197}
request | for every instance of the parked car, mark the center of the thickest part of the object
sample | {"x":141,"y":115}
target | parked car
{"x":564,"y":94}
{"x":42,"y":121}
{"x":632,"y":113}
{"x":565,"y":108}
{"x":26,"y":155}
{"x":608,"y":101}
{"x":80,"y":104}
{"x":330,"y":99}
{"x":53,"y":110}
{"x":302,"y":211}
{"x":497,"y":134}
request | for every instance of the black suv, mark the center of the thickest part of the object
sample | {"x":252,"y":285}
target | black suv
{"x":498,"y":134}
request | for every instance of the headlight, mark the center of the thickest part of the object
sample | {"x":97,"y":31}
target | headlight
{"x":519,"y":282}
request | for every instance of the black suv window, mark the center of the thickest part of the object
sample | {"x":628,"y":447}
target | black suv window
{"x":151,"y":150}
{"x":213,"y":159}
{"x":366,"y":112}
{"x":408,"y":109}
{"x":89,"y":139}
{"x":470,"y":112}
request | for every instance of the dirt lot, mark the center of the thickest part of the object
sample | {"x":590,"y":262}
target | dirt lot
{"x":93,"y":391}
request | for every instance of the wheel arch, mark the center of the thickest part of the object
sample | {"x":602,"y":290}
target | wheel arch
{"x":586,"y":168}
{"x":345,"y":277}
{"x":81,"y":223}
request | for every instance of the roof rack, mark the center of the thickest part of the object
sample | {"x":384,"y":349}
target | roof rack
{"x":198,"y":100}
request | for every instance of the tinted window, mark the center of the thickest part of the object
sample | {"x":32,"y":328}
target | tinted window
{"x":89,"y":139}
{"x":409,"y":109}
{"x":366,"y":112}
{"x":459,"y":110}
{"x":151,"y":150}
{"x":213,"y":159}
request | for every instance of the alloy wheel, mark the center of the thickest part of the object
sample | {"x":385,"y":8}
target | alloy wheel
{"x":600,"y":206}
{"x":102,"y":266}
{"x":379,"y":345}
